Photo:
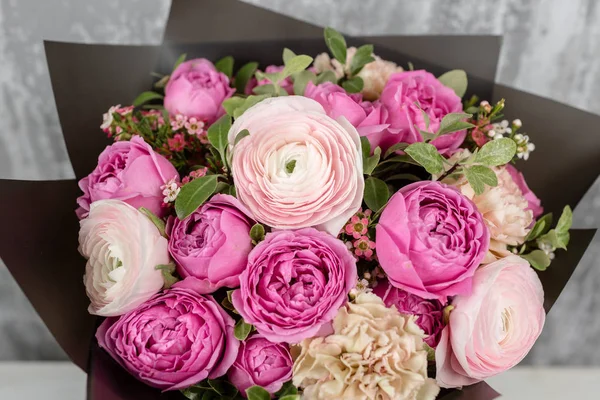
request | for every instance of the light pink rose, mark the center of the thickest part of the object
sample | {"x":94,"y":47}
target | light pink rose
{"x":365,"y":116}
{"x":130,"y":171}
{"x":494,"y":328}
{"x":298,"y":167}
{"x":197,"y":89}
{"x":400,"y":95}
{"x":534,"y":203}
{"x":123,"y":248}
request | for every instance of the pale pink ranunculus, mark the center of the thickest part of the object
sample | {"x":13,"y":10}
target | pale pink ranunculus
{"x":493,"y":328}
{"x":123,"y":247}
{"x":400,"y":96}
{"x":197,"y":89}
{"x":365,"y":116}
{"x":534,"y":203}
{"x":213,"y":243}
{"x":262,"y":363}
{"x":430,"y":240}
{"x":298,"y":167}
{"x":129,"y":171}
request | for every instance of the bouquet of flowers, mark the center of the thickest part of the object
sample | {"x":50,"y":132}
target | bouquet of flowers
{"x":332,"y":225}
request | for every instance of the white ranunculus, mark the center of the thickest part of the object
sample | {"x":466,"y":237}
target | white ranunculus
{"x":123,"y":247}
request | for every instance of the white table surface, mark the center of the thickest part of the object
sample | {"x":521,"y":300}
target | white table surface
{"x":64,"y":381}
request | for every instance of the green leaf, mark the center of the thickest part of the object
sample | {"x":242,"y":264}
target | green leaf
{"x":217,"y":135}
{"x":289,"y":167}
{"x":225,"y":65}
{"x":565,"y":221}
{"x":243,"y":76}
{"x":273,"y":77}
{"x":554,"y":239}
{"x":232,"y":103}
{"x":427,"y":156}
{"x":296,"y":64}
{"x":406,"y":177}
{"x":365,"y":147}
{"x":541,"y":226}
{"x":269,"y":89}
{"x":453,"y":122}
{"x":479,"y":176}
{"x":167,"y":271}
{"x":336,"y":44}
{"x":496,"y":152}
{"x":371,"y":162}
{"x":455,"y":80}
{"x":242,"y":330}
{"x":146,"y":97}
{"x":287,"y":389}
{"x":301,"y":79}
{"x":193,"y":194}
{"x":425,"y":116}
{"x":394,"y":148}
{"x":231,"y":191}
{"x":411,"y":66}
{"x":249,"y":102}
{"x":180,"y":60}
{"x":290,"y":397}
{"x":472,"y":110}
{"x":353,"y":85}
{"x":376,"y":193}
{"x":242,"y":134}
{"x":363,"y":56}
{"x":159,"y":223}
{"x":326,"y":76}
{"x":287,"y":55}
{"x":257,"y":233}
{"x":537,"y":259}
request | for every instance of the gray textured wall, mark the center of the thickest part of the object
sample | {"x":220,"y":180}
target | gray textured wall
{"x":550,"y":48}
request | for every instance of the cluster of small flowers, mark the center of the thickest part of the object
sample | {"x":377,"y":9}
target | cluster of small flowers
{"x":198,"y":173}
{"x":108,"y":121}
{"x":193,"y":126}
{"x":357,"y":228}
{"x":503,"y":128}
{"x":170,"y":190}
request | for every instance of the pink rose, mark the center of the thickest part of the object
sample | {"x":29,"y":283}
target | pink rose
{"x":129,"y":171}
{"x":400,"y":95}
{"x":294,"y":284}
{"x":534,"y":203}
{"x":213,"y":243}
{"x":430,"y":240}
{"x":174,"y":340}
{"x":197,"y":89}
{"x":262,"y":363}
{"x":429,"y":313}
{"x":494,"y":328}
{"x":298,"y":167}
{"x":122,"y":247}
{"x":365,"y":116}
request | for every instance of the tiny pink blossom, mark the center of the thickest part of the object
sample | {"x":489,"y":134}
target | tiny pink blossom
{"x":357,"y":226}
{"x":194,"y":126}
{"x":363,"y":247}
{"x":198,"y":173}
{"x":177,"y":142}
{"x":178,"y":121}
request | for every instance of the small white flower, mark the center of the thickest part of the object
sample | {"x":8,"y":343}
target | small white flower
{"x":498,"y":136}
{"x":517,"y":123}
{"x":484,"y":103}
{"x":508,"y":130}
{"x":107,"y":118}
{"x":518,"y":138}
{"x":504,"y":123}
{"x":491,"y":133}
{"x":170,"y":190}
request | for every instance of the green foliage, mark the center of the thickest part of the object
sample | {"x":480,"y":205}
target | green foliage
{"x":287,"y":389}
{"x":537,"y":259}
{"x":541,"y":226}
{"x":369,"y":161}
{"x":194,"y":194}
{"x":427,"y":156}
{"x":394,"y":148}
{"x":217,"y":135}
{"x":145,"y":97}
{"x":479,"y":176}
{"x":336,"y":44}
{"x":257,"y":233}
{"x":455,"y":80}
{"x":296,"y":64}
{"x":159,"y":223}
{"x":363,"y":56}
{"x":326,"y":76}
{"x":496,"y":152}
{"x":167,"y":271}
{"x":179,"y":61}
{"x":454,"y":122}
{"x":353,"y":85}
{"x":242,"y":134}
{"x":243,"y":76}
{"x":287,"y":55}
{"x":236,"y":106}
{"x":225,"y":65}
{"x":242,"y":330}
{"x":301,"y":79}
{"x":376,"y":193}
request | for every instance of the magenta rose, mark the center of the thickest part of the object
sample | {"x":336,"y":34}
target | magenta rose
{"x":400,"y":96}
{"x":365,"y":116}
{"x":430,"y":240}
{"x":213,"y":243}
{"x":534,"y":203}
{"x":197,"y":89}
{"x":174,"y":340}
{"x":129,"y":171}
{"x":429,"y":313}
{"x":294,"y":284}
{"x":261,"y":363}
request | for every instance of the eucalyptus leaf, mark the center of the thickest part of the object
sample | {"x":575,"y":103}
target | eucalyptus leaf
{"x":455,"y":80}
{"x":537,"y":259}
{"x":159,"y":223}
{"x":296,"y":64}
{"x":193,"y":194}
{"x":287,"y":55}
{"x":336,"y":44}
{"x":376,"y":193}
{"x":242,"y":330}
{"x":326,"y":76}
{"x":217,"y":135}
{"x":362,"y":57}
{"x":394,"y":148}
{"x":353,"y":85}
{"x":454,"y":122}
{"x":145,"y":97}
{"x":301,"y":79}
{"x":225,"y":65}
{"x":243,"y":76}
{"x":427,"y":156}
{"x":496,"y":152}
{"x":179,"y":61}
{"x":480,"y":176}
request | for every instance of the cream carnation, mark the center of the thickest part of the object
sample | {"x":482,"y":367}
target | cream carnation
{"x":374,"y":75}
{"x":298,"y":167}
{"x":123,"y":248}
{"x":374,"y":353}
